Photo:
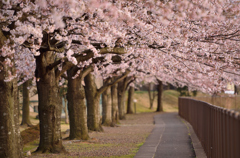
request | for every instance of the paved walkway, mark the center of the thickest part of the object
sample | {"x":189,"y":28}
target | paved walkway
{"x":169,"y":139}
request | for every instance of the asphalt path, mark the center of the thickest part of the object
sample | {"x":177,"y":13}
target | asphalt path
{"x":169,"y":139}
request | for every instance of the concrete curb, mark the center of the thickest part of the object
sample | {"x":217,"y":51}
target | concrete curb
{"x":199,"y":151}
{"x":153,"y":148}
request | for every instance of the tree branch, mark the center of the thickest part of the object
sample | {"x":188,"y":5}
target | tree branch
{"x":132,"y":79}
{"x":64,"y":76}
{"x":115,"y":50}
{"x":85,"y":72}
{"x":56,"y":63}
{"x":67,"y":64}
{"x":118,"y":79}
{"x":61,"y":49}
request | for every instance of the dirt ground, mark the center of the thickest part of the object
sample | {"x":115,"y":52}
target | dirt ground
{"x":115,"y":142}
{"x":121,"y":141}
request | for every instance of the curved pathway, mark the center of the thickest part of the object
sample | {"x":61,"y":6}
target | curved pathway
{"x":169,"y":139}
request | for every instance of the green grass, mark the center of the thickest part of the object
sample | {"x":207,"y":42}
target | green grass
{"x":140,"y":92}
{"x":169,"y":101}
{"x":31,"y":146}
{"x":133,"y":152}
{"x":142,"y":104}
{"x":138,"y":146}
{"x":87,"y":147}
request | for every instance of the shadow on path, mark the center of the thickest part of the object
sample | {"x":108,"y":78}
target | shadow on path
{"x":169,"y":139}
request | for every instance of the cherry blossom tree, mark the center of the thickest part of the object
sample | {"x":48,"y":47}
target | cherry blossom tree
{"x":38,"y":26}
{"x":193,"y":43}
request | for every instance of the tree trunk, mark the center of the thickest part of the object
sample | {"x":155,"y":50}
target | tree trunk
{"x":93,"y":98}
{"x":25,"y":107}
{"x":50,"y":105}
{"x":236,"y":89}
{"x":107,"y":106}
{"x":160,"y":89}
{"x":151,"y":95}
{"x":130,"y":100}
{"x":10,"y":139}
{"x":18,"y":101}
{"x":114,"y":96}
{"x":121,"y":100}
{"x":77,"y":108}
{"x":66,"y":110}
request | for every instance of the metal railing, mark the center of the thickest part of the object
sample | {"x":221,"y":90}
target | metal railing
{"x":217,"y":128}
{"x":225,"y":101}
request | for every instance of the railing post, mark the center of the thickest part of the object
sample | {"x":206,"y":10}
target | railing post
{"x":217,"y":128}
{"x":237,"y":123}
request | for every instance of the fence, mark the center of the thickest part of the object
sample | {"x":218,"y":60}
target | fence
{"x":225,"y":101}
{"x":217,"y":128}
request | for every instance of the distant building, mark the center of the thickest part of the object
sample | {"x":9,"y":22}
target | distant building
{"x":230,"y":89}
{"x":34,"y":103}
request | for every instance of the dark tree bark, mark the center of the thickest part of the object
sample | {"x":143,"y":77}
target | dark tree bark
{"x":121,"y":99}
{"x":236,"y":89}
{"x":93,"y":98}
{"x":151,"y":95}
{"x":10,"y":139}
{"x":107,"y":106}
{"x":160,"y":90}
{"x":130,"y":100}
{"x":25,"y":107}
{"x":122,"y":87}
{"x":50,"y":105}
{"x":114,"y":96}
{"x":77,"y":107}
{"x":18,"y":100}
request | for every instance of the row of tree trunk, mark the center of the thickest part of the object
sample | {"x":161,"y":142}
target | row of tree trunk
{"x":50,"y":107}
{"x":50,"y":102}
